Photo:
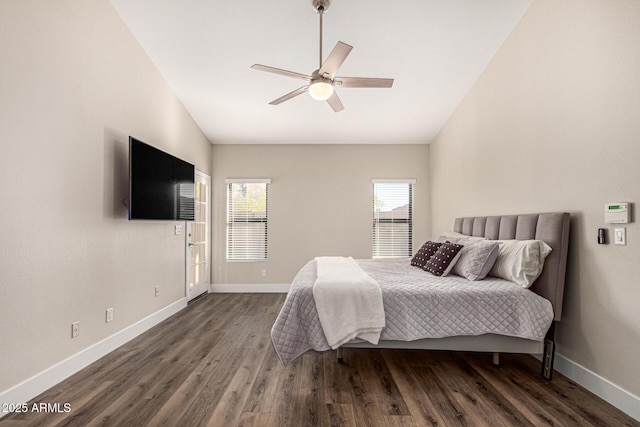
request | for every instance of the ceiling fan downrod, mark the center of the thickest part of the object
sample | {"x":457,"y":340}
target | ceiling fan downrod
{"x":321,"y":6}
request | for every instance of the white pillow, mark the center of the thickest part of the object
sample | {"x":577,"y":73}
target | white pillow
{"x":455,"y":237}
{"x":520,"y":261}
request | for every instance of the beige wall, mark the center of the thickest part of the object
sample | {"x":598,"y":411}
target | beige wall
{"x":73,"y":85}
{"x":320,"y":202}
{"x":553,"y":125}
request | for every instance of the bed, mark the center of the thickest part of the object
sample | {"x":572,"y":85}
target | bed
{"x":418,"y":315}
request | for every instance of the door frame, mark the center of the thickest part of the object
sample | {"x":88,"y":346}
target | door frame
{"x":187,"y":240}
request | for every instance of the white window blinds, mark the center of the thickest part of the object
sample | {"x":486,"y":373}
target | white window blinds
{"x":392,"y":218}
{"x":247,"y":219}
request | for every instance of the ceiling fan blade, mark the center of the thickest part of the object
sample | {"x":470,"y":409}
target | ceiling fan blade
{"x":335,"y":60}
{"x":335,"y":102}
{"x":362,"y":82}
{"x":280,"y":72}
{"x":290,"y":95}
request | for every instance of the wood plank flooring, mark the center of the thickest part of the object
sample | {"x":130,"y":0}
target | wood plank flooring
{"x":212,"y":364}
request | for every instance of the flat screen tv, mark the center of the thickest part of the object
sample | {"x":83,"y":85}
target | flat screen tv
{"x":161,"y":186}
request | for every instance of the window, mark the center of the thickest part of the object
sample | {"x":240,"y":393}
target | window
{"x":247,"y":219}
{"x":392,"y":218}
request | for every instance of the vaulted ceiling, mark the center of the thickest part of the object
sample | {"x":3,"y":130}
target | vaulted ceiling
{"x":434,"y":49}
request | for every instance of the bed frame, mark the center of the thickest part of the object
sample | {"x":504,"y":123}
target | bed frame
{"x":553,"y":229}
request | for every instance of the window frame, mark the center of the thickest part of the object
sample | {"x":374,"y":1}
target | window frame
{"x":375,"y":249}
{"x":229,"y":186}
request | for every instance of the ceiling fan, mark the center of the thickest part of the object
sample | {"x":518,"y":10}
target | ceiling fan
{"x":321,"y":82}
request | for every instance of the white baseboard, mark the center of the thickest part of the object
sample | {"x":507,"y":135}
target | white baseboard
{"x":32,"y":387}
{"x":601,"y":387}
{"x":250,"y":288}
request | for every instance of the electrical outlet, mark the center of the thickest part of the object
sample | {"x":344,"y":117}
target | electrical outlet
{"x":75,"y":329}
{"x":157,"y":290}
{"x":178,"y":229}
{"x":109,"y":314}
{"x":264,"y":273}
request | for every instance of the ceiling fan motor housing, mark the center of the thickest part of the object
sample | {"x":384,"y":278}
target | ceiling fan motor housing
{"x":321,"y":5}
{"x":317,"y":78}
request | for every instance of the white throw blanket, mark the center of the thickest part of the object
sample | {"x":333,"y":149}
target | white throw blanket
{"x":348,"y":300}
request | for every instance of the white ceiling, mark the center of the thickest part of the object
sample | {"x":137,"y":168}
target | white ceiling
{"x":435,"y":50}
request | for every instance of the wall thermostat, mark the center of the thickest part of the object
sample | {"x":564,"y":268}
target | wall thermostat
{"x":616,"y":213}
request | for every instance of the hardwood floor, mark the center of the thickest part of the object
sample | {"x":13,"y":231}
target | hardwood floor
{"x":213,"y":364}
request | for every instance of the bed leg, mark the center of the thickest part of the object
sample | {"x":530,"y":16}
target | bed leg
{"x":339,"y":355}
{"x":549,"y":353}
{"x":496,"y":359}
{"x":547,"y":359}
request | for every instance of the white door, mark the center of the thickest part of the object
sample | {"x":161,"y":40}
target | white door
{"x":198,"y":265}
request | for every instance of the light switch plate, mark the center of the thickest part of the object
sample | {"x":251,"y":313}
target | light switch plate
{"x":620,"y":235}
{"x":178,"y":229}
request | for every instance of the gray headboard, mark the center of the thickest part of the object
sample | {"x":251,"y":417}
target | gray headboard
{"x":552,"y":228}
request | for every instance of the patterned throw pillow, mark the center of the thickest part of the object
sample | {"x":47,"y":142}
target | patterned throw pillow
{"x":476,"y":259}
{"x":424,"y":253}
{"x":441,"y":263}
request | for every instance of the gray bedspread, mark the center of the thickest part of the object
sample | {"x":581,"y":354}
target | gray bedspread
{"x":417,"y":305}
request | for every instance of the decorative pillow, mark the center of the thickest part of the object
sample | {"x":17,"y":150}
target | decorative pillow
{"x":424,"y":253}
{"x":476,"y":259}
{"x":520,"y":261}
{"x":441,"y":263}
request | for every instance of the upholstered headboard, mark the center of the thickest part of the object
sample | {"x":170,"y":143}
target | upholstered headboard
{"x":552,"y":228}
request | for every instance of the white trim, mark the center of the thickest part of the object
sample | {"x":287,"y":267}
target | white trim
{"x":248,"y":181}
{"x":32,"y":387}
{"x":601,"y":387}
{"x":268,"y":288}
{"x":393,"y":181}
{"x":188,"y":229}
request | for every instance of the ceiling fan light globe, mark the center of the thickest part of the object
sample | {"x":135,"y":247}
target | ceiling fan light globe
{"x":321,"y":91}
